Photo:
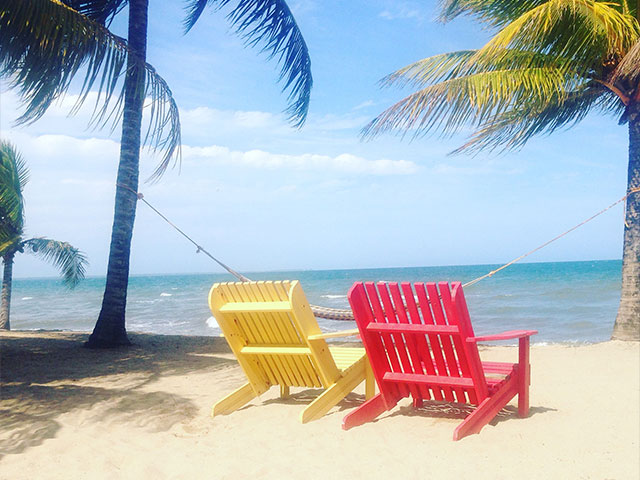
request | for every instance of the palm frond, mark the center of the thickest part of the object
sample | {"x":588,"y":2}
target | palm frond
{"x":101,"y":11}
{"x":587,"y":31}
{"x":431,"y":70}
{"x":492,"y":12}
{"x":466,"y":62}
{"x":13,"y":178}
{"x":501,"y":12}
{"x":627,"y":71}
{"x":471,"y":100}
{"x":511,"y":129}
{"x":9,"y":244}
{"x":45,"y":43}
{"x":271,"y":24}
{"x":71,"y":262}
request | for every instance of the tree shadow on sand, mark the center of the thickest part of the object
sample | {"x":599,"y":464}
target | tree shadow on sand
{"x":42,"y":379}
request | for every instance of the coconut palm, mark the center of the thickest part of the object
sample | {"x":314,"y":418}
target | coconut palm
{"x":549,"y":64}
{"x":69,"y":260}
{"x":41,"y":34}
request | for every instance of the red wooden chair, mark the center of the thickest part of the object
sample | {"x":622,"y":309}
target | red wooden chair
{"x":420,"y":342}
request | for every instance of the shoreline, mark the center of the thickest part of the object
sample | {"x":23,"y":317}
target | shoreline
{"x":143,"y":412}
{"x":566,"y":343}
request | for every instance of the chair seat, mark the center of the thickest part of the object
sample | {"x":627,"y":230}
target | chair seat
{"x":497,"y":374}
{"x":345,"y":357}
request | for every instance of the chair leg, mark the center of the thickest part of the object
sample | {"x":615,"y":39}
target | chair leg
{"x":234,"y":400}
{"x":351,"y":378}
{"x":365,"y":412}
{"x":486,"y":411}
{"x":524,"y":375}
{"x":370,"y":382}
{"x":284,"y":391}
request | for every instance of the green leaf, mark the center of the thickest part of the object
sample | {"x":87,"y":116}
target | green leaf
{"x":13,"y":178}
{"x":549,"y":64}
{"x":45,"y":45}
{"x":71,"y":262}
{"x":271,"y":24}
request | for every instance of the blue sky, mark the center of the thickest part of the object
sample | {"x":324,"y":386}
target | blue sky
{"x":261,"y":195}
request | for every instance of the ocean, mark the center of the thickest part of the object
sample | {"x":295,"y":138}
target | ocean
{"x":567,"y":302}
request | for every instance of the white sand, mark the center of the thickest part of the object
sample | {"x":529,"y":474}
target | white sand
{"x":68,"y":412}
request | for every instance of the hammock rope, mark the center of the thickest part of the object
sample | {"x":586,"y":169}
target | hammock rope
{"x":345,"y":314}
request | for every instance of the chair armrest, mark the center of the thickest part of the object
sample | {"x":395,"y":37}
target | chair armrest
{"x":343,"y":333}
{"x":503,"y":336}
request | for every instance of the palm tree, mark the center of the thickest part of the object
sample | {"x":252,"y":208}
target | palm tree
{"x":269,"y":23}
{"x":549,"y":63}
{"x":70,"y":261}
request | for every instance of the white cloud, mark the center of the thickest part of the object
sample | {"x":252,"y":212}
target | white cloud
{"x":338,"y":122}
{"x":344,"y":163}
{"x":402,"y":11}
{"x":474,"y":167}
{"x":365,"y":104}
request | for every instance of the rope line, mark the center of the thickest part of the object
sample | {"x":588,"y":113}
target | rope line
{"x":199,"y":248}
{"x":491,"y":273}
{"x":343,"y":314}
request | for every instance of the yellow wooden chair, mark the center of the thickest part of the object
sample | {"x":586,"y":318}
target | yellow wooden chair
{"x":277,"y":341}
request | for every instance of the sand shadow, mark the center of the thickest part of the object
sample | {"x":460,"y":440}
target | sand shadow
{"x":304,"y":397}
{"x":435,"y":409}
{"x":42,"y":379}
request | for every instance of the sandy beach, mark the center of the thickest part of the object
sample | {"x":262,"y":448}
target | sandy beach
{"x":143,"y":412}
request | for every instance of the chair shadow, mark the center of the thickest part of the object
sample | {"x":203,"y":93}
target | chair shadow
{"x":435,"y":409}
{"x":305,"y":397}
{"x":40,"y":380}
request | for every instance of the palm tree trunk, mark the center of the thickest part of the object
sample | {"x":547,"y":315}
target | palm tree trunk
{"x":5,"y":305}
{"x":627,"y":326}
{"x":110,"y":328}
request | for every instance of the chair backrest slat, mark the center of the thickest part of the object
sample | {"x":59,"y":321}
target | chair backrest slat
{"x":420,"y":346}
{"x":374,"y":343}
{"x":269,"y":315}
{"x":387,"y":340}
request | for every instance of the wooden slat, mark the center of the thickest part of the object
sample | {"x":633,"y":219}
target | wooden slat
{"x":445,"y":340}
{"x":258,"y":377}
{"x":410,"y":340}
{"x":272,"y":320}
{"x":498,"y":367}
{"x":340,"y":334}
{"x":254,"y":322}
{"x":401,"y":312}
{"x":346,"y":356}
{"x":307,"y":325}
{"x":269,"y":292}
{"x":466,"y":330}
{"x":387,"y":340}
{"x":271,"y":350}
{"x":434,"y":340}
{"x":411,"y":328}
{"x":459,"y":341}
{"x":376,"y":353}
{"x":427,"y":315}
{"x":424,"y":354}
{"x":304,"y":365}
{"x":398,"y":338}
{"x":280,"y":290}
{"x":457,"y":382}
{"x":245,"y":307}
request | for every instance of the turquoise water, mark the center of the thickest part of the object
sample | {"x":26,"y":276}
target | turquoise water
{"x":564,"y":301}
